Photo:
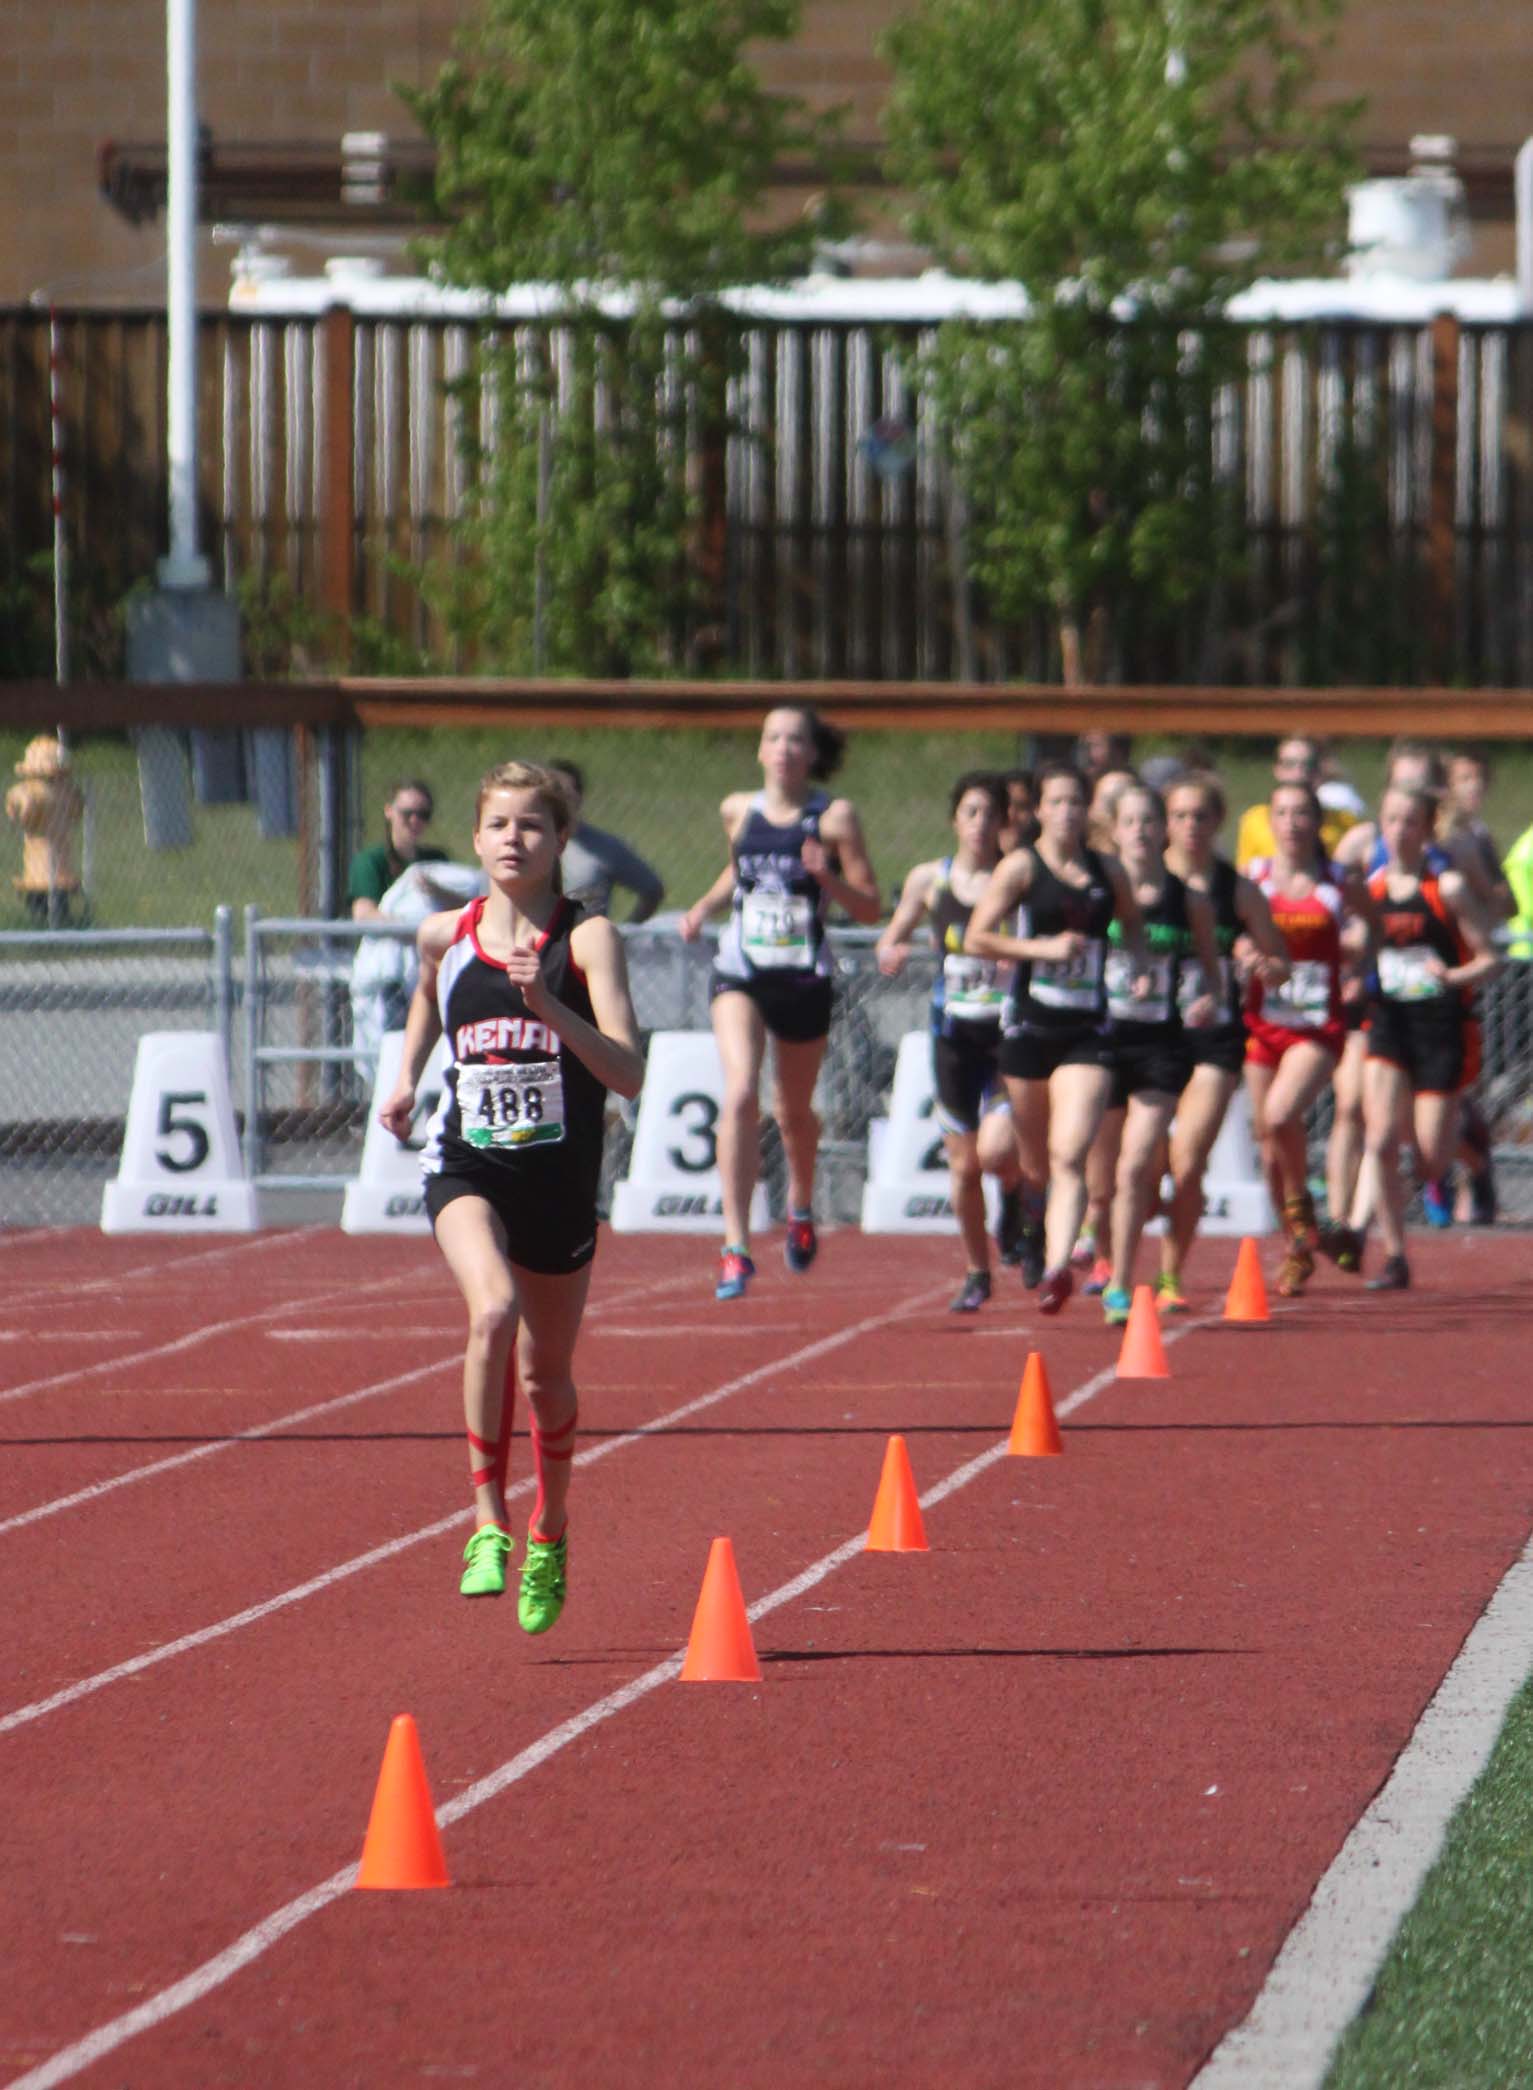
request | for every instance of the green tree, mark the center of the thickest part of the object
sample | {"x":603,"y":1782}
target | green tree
{"x":619,"y":152}
{"x":1131,"y":164}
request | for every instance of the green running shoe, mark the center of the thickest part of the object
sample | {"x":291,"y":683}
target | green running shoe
{"x":486,"y":1553}
{"x":542,"y":1597}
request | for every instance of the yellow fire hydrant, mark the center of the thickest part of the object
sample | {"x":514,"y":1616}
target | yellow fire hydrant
{"x":47,"y":806}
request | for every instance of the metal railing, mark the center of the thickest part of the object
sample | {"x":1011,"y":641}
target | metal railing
{"x":299,"y":1024}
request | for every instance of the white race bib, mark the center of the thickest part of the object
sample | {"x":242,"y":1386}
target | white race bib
{"x":1069,"y":983}
{"x":504,"y":1109}
{"x":972,"y":990}
{"x":1303,"y":1002}
{"x":1121,"y":1005}
{"x":775,"y":931}
{"x":1190,"y":987}
{"x":1406,"y":975}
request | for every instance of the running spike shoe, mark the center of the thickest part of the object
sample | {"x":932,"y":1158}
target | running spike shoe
{"x":1344,"y":1246}
{"x":1030,"y":1262}
{"x":975,"y":1292}
{"x":1084,"y":1253}
{"x":1483,"y":1206}
{"x":1394,"y":1277}
{"x":543,"y":1584}
{"x":1055,"y":1289}
{"x":1009,"y":1227}
{"x":801,"y":1246}
{"x":735,"y":1272}
{"x":486,"y":1554}
{"x":1437,"y":1201}
{"x":1169,"y":1296}
{"x":1296,"y":1268}
{"x":1115,"y":1306}
{"x":1100,"y":1278}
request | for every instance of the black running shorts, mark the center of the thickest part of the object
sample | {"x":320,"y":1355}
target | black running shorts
{"x":793,"y":1008}
{"x":550,"y":1226}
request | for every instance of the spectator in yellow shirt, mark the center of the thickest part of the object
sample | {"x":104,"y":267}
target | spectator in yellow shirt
{"x":1297,"y":762}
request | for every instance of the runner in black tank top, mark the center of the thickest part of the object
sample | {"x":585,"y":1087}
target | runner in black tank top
{"x":534,"y":1000}
{"x":1047,"y":908}
{"x":1195,"y":811}
{"x":967,"y":998}
{"x":1147,"y":1040}
{"x":794,"y":852}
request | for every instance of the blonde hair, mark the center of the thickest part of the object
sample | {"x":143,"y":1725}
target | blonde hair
{"x":553,"y":795}
{"x":551,"y":788}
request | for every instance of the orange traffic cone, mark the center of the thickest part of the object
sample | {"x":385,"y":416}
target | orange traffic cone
{"x":1246,"y":1299}
{"x":721,"y":1650}
{"x":896,"y":1525}
{"x":1034,"y":1432}
{"x":1143,"y":1355}
{"x":402,"y":1848}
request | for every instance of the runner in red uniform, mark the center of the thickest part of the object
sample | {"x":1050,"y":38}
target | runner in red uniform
{"x":1295,"y":1029}
{"x":1433,"y":948}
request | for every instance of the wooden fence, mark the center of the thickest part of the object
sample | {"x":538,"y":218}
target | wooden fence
{"x":330,"y":463}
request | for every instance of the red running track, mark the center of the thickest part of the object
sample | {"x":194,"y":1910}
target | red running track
{"x":1037,"y":1807}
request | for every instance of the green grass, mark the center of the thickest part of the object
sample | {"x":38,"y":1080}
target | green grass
{"x":1452,"y":2008}
{"x":660,"y":790}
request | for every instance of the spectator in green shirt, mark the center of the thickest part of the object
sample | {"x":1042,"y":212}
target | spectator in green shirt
{"x":406,"y":813}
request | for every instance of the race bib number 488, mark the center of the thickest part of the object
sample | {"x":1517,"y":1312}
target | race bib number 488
{"x":504,"y":1109}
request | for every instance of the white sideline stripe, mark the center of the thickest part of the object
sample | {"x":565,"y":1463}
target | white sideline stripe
{"x":213,"y":1973}
{"x":68,"y":1694}
{"x":1323,"y":1975}
{"x":97,"y":1489}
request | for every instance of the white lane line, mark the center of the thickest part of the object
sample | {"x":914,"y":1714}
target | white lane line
{"x":24,"y":1715}
{"x":1322,"y":1976}
{"x":210,"y":1331}
{"x":213,"y":1973}
{"x":354,"y":1335}
{"x":247,"y":1244}
{"x":67,"y":1335}
{"x":97,"y":1489}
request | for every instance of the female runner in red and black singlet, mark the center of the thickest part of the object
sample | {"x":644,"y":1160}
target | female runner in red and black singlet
{"x":533,"y":998}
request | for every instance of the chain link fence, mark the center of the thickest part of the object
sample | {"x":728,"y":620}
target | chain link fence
{"x":301,"y":1014}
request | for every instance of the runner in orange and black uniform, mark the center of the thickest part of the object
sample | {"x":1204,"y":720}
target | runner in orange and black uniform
{"x":1295,"y":1030}
{"x":1433,"y":948}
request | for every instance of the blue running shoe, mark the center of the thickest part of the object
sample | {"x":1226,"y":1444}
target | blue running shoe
{"x":1437,"y":1201}
{"x":735,"y":1272}
{"x":1115,"y":1307}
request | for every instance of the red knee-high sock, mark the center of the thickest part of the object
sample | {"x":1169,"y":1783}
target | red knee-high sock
{"x":499,"y":1452}
{"x":549,"y":1448}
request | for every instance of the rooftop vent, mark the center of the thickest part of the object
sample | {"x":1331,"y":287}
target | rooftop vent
{"x":1416,"y":226}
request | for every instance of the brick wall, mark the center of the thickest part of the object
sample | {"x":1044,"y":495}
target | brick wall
{"x":76,"y":72}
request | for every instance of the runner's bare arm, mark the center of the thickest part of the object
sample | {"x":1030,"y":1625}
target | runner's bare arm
{"x":609,"y":1046}
{"x":1255,"y":914}
{"x":894,"y":945}
{"x":423,"y":1023}
{"x":1131,"y":915}
{"x":1010,"y":883}
{"x":1200,"y":920}
{"x":853,"y":888}
{"x":1474,"y":923}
